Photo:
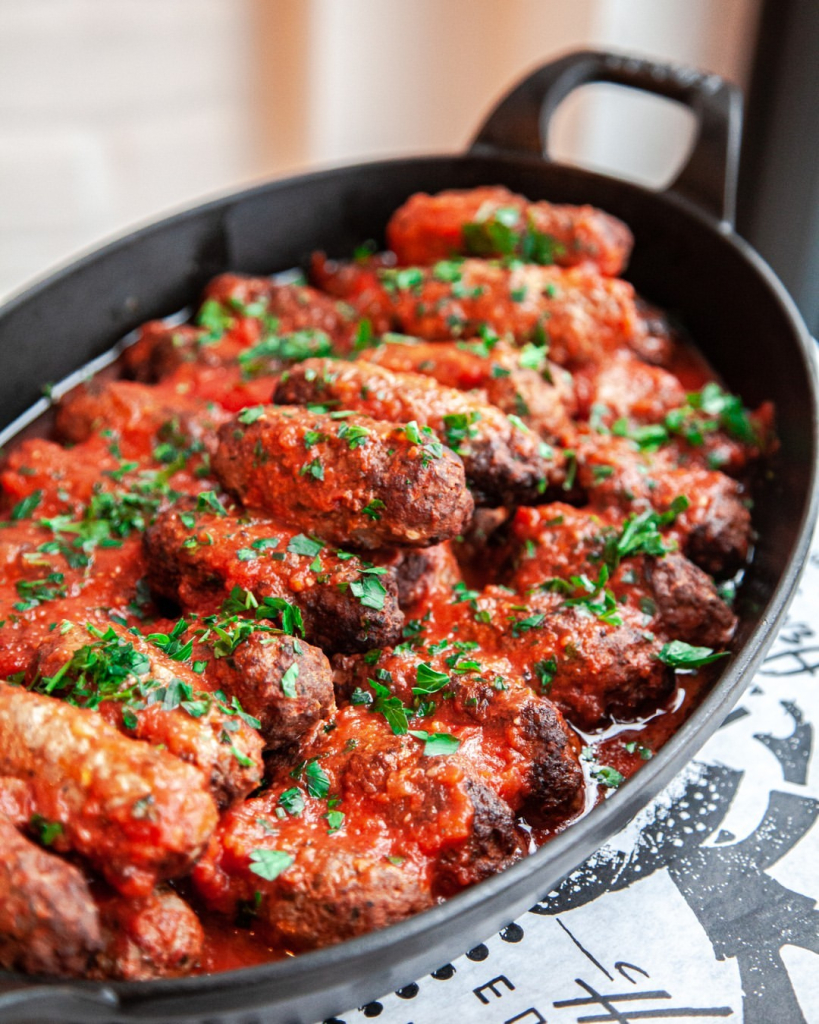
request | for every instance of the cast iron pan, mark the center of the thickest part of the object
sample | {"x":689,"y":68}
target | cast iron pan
{"x":687,"y":259}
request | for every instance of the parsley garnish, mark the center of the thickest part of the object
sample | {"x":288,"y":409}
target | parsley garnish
{"x":369,"y":590}
{"x":303,"y":545}
{"x":25,"y":508}
{"x":47,"y":831}
{"x":436,"y":744}
{"x":355,"y":436}
{"x":208,"y":501}
{"x":251,"y":414}
{"x":372,"y":509}
{"x":317,"y":780}
{"x":269,"y":864}
{"x":459,"y":426}
{"x":35,"y":592}
{"x":289,"y":348}
{"x":428,"y":680}
{"x":680,"y":655}
{"x":292,"y":800}
{"x":314,"y":469}
{"x":289,"y":681}
{"x":641,"y":533}
{"x":546,"y":670}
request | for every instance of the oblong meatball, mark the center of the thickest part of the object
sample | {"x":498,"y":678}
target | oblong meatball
{"x":282,"y":681}
{"x":689,"y":606}
{"x":492,"y":221}
{"x":137,"y":413}
{"x":341,"y":858}
{"x":351,"y":480}
{"x":199,"y":559}
{"x":522,"y":750}
{"x":505,"y":462}
{"x":134,"y":812}
{"x":49,"y":922}
{"x":154,"y":936}
{"x":170,"y":708}
{"x":520,"y":382}
{"x":583,"y":316}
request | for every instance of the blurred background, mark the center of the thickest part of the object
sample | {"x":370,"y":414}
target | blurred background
{"x":113,"y":112}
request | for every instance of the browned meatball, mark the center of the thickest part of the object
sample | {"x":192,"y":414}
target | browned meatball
{"x":136,"y":813}
{"x":714,"y":531}
{"x":282,"y":681}
{"x":664,"y":593}
{"x":149,"y":696}
{"x":583,"y":316}
{"x":334,"y":891}
{"x":371,"y":830}
{"x":492,"y":221}
{"x":154,"y":936}
{"x":48,"y":919}
{"x":688,"y":604}
{"x":352,"y":480}
{"x":160,"y":349}
{"x":522,"y":734}
{"x":505,"y":462}
{"x":137,"y":414}
{"x":421,"y":571}
{"x":625,"y":386}
{"x":594,"y":670}
{"x":524,"y":382}
{"x":200,"y":559}
{"x":282,"y":308}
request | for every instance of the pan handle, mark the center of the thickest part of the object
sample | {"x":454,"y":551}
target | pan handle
{"x":520,"y":122}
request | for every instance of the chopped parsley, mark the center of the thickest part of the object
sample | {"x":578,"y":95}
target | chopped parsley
{"x":372,"y":509}
{"x":269,"y":864}
{"x":499,"y":232}
{"x":24,"y":509}
{"x":459,"y":427}
{"x":680,"y":655}
{"x":355,"y":436}
{"x":436,"y":744}
{"x":289,"y":681}
{"x":288,"y":348}
{"x":292,"y":800}
{"x":208,"y":501}
{"x":315,"y":469}
{"x":303,"y":545}
{"x":316,"y":779}
{"x":35,"y":592}
{"x":369,"y":590}
{"x":251,"y":414}
{"x":545,"y":670}
{"x":47,"y":831}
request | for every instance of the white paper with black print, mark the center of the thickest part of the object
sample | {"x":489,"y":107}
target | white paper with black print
{"x":703,"y":908}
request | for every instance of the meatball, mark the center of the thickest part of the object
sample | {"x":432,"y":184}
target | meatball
{"x":48,"y":919}
{"x":282,"y":681}
{"x":583,"y":316}
{"x":168,"y":706}
{"x":209,"y":561}
{"x":523,"y":383}
{"x":504,"y":461}
{"x":492,"y":221}
{"x":351,"y":480}
{"x":134,"y":812}
{"x":154,"y":936}
{"x":137,"y":414}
